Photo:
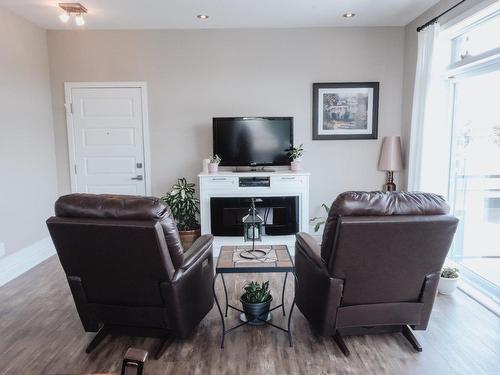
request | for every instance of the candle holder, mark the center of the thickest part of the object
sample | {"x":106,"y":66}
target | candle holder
{"x":252,"y":231}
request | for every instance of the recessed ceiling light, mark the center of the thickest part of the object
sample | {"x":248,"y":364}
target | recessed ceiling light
{"x":202,"y":16}
{"x":349,"y":15}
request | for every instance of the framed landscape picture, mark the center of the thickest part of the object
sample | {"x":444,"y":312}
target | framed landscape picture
{"x":347,"y":110}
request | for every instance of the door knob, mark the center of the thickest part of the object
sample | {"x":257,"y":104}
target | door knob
{"x":138,"y":178}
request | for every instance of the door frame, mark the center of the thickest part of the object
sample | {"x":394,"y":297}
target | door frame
{"x":68,"y":104}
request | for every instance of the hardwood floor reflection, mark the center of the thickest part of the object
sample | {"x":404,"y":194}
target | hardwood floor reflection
{"x":40,"y":333}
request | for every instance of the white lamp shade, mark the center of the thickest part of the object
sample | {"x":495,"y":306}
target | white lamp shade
{"x":391,"y":155}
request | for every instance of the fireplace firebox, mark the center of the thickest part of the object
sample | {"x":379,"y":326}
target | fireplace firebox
{"x":280,"y":214}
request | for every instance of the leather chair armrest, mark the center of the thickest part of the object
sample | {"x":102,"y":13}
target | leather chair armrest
{"x":199,"y":248}
{"x":317,"y":294}
{"x":310,"y":249}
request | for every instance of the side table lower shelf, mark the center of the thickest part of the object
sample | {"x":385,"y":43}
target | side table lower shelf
{"x":260,"y":318}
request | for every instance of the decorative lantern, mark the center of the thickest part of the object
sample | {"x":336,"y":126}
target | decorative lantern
{"x":252,"y":225}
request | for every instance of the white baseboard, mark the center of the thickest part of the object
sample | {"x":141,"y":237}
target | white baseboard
{"x":23,"y":260}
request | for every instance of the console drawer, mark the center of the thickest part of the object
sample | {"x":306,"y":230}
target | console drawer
{"x":287,"y":181}
{"x":221,"y":182}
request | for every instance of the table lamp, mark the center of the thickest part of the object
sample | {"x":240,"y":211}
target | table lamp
{"x":390,"y":160}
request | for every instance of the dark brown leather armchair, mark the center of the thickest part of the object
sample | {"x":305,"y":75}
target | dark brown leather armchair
{"x":378,"y":265}
{"x":126,"y":267}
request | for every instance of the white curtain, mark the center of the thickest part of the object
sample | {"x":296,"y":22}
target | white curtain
{"x":428,"y":161}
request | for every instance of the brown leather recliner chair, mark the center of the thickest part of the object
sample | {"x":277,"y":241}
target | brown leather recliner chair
{"x":378,"y":265}
{"x":126,"y":267}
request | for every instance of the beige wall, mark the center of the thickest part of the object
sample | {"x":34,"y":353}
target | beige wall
{"x":28,"y":185}
{"x":194,"y":75}
{"x":410,"y":56}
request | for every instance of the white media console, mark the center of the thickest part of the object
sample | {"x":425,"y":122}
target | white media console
{"x":226,"y":184}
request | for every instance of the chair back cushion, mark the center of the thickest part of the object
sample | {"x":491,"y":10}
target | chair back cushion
{"x":118,"y":262}
{"x":124,"y":207}
{"x":377,"y":203}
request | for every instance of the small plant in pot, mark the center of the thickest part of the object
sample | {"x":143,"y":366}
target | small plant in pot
{"x":295,"y":155}
{"x":256,"y":302}
{"x":184,"y":206}
{"x":213,"y":166}
{"x":448,"y":280}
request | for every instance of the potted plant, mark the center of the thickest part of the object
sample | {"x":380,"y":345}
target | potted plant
{"x":256,"y":302}
{"x":213,"y":166}
{"x":320,"y":220}
{"x":295,"y":154}
{"x":184,"y":206}
{"x":448,"y":280}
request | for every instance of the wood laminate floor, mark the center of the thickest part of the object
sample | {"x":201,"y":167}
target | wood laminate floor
{"x":40,"y":333}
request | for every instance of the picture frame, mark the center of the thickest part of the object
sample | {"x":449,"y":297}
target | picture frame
{"x":345,"y":110}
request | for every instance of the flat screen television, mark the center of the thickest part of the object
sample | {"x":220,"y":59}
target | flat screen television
{"x":253,"y":141}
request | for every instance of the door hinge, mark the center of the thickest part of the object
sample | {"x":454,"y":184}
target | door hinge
{"x":75,"y":168}
{"x":69,"y":107}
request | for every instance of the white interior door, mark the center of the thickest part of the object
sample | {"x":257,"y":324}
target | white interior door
{"x":107,"y":133}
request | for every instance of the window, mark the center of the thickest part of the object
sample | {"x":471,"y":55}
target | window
{"x":474,"y":182}
{"x":476,"y":39}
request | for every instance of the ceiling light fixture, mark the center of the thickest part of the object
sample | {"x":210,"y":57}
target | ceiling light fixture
{"x":64,"y":17}
{"x":79,"y":20}
{"x":349,"y":15}
{"x":202,"y":16}
{"x":73,"y":8}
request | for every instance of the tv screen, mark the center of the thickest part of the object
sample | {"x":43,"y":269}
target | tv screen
{"x":252,"y":141}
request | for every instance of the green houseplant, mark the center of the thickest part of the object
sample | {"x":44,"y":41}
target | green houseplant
{"x":295,"y":155}
{"x":184,"y":206}
{"x":320,"y":220}
{"x":256,"y":301}
{"x":448,"y":280}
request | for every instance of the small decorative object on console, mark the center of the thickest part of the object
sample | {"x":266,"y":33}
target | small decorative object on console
{"x":213,"y":166}
{"x":391,"y":160}
{"x":448,"y":280}
{"x":256,"y":302}
{"x":184,"y":206}
{"x":205,"y":164}
{"x":295,"y":155}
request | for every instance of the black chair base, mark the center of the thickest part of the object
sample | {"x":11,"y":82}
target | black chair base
{"x":106,"y":330}
{"x":405,"y":330}
{"x":339,"y":340}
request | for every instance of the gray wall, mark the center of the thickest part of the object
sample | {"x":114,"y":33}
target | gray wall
{"x":194,"y":75}
{"x":28,"y":185}
{"x":410,"y":57}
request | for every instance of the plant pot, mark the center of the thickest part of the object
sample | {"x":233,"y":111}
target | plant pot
{"x":296,"y":165}
{"x":254,"y":310}
{"x":213,"y":168}
{"x":188,"y":237}
{"x":446,"y":285}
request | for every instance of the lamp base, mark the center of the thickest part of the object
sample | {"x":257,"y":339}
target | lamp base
{"x":389,"y":182}
{"x":253,"y":254}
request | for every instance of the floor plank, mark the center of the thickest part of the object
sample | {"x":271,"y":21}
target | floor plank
{"x":40,"y":333}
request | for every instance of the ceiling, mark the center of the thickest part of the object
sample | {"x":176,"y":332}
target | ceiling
{"x":181,"y":14}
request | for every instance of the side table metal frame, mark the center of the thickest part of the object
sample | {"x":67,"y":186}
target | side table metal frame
{"x":285,"y":270}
